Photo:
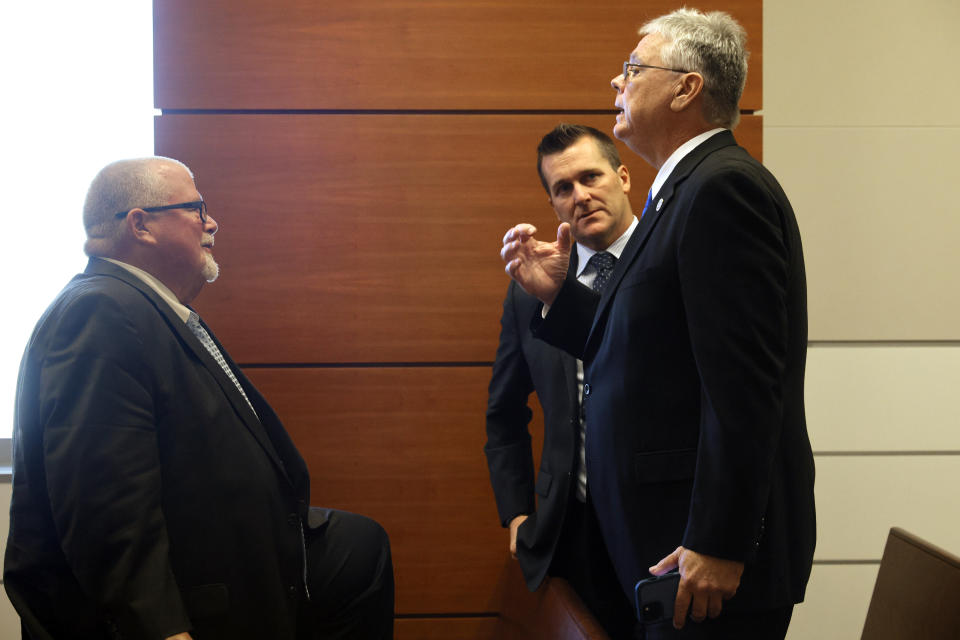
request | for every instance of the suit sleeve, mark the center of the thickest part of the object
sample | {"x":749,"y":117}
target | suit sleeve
{"x":508,"y":448}
{"x":569,"y":319}
{"x":102,"y":467}
{"x":733,"y":268}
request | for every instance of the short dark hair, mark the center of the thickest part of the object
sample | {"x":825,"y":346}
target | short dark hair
{"x":565,"y":135}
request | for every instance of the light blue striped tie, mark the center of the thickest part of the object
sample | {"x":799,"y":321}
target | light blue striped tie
{"x":193,"y":322}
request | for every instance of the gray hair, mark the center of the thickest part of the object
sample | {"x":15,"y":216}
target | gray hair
{"x":121,"y":186}
{"x":713,"y":45}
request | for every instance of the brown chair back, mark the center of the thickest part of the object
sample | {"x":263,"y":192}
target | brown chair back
{"x":917,"y":593}
{"x":552,"y":612}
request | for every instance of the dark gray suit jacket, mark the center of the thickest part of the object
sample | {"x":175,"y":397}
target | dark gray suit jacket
{"x":147,"y":497}
{"x":525,"y":365}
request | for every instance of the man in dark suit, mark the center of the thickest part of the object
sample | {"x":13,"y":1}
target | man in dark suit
{"x":698,"y":455}
{"x":155,"y":492}
{"x":557,"y":532}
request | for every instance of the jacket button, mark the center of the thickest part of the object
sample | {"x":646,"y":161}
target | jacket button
{"x":292,"y":519}
{"x":292,"y":591}
{"x":586,"y":388}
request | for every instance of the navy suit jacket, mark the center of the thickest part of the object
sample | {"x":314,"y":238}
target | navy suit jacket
{"x":694,"y":366}
{"x":525,"y":365}
{"x":147,"y":497}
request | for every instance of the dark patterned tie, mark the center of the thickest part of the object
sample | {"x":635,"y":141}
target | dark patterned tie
{"x":603,"y":262}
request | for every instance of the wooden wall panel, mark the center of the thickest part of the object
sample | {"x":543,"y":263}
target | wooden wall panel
{"x":363,"y":160}
{"x":467,"y":628}
{"x":404,"y":446}
{"x":427,"y":54}
{"x":361,"y":238}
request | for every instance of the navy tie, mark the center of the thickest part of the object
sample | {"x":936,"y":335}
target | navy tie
{"x":647,"y":203}
{"x":602,"y":262}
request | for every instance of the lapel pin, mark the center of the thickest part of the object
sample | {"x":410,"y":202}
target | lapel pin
{"x":659,"y":204}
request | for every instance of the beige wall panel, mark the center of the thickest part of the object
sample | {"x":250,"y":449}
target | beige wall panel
{"x":860,"y":497}
{"x":883,"y":398}
{"x":6,"y":493}
{"x":426,"y":54}
{"x":861,"y":62}
{"x":369,"y":238}
{"x":836,"y":604}
{"x":880,"y":227}
{"x":9,"y":620}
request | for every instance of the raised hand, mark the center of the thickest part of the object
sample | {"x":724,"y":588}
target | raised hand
{"x":538,"y":267}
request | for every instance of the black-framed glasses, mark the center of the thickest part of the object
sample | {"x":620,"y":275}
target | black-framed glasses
{"x":629,"y":75}
{"x":197,"y":205}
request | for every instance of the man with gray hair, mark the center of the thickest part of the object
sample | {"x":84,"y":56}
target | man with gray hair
{"x":155,"y":492}
{"x":697,"y":455}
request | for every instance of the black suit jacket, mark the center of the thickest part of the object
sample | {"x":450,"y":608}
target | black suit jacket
{"x":694,"y":360}
{"x":524,"y":365}
{"x":147,"y":497}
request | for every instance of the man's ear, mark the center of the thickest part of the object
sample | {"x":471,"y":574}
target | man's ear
{"x":686,"y":91}
{"x":550,"y":202}
{"x":624,"y":174}
{"x":136,"y":225}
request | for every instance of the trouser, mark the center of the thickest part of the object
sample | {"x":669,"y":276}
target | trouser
{"x":738,"y":625}
{"x":350,"y":577}
{"x":582,"y":559}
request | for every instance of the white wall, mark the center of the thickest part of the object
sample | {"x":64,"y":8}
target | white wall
{"x":861,"y":121}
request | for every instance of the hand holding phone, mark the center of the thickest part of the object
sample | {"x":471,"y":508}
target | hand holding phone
{"x":656,"y":596}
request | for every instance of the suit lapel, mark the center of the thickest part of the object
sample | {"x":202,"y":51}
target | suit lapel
{"x":630,"y":252}
{"x":567,"y":362}
{"x":658,"y":207}
{"x":193,"y":344}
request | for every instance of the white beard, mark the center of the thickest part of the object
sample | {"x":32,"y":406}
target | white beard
{"x":211,"y":270}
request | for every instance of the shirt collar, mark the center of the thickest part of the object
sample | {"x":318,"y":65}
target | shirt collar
{"x":584,"y":253}
{"x":182,"y":310}
{"x":678,"y":155}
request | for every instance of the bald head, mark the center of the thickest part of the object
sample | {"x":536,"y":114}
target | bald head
{"x":121,"y":186}
{"x":147,"y":213}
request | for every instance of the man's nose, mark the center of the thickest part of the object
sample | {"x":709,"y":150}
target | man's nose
{"x":617,"y":83}
{"x":580,"y":193}
{"x":211,"y":226}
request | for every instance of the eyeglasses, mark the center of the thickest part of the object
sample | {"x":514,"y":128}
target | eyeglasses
{"x":197,"y":205}
{"x":629,"y":75}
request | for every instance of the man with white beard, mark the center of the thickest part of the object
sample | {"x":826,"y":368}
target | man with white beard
{"x":155,"y":492}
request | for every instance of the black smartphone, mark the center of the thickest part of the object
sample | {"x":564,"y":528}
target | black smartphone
{"x":655,"y":597}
